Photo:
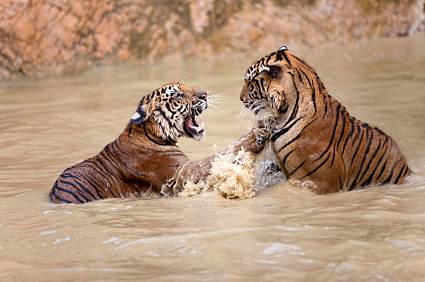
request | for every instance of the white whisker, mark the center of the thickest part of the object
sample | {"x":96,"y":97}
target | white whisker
{"x":214,"y":100}
{"x":246,"y":114}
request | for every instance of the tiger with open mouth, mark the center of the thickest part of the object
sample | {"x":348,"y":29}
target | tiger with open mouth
{"x":144,"y":161}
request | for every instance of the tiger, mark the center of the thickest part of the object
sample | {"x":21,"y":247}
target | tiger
{"x":144,"y":161}
{"x":317,"y":142}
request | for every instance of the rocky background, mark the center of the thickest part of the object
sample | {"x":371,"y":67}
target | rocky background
{"x":45,"y":37}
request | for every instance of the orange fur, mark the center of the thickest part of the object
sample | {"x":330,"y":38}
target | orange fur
{"x":314,"y":136}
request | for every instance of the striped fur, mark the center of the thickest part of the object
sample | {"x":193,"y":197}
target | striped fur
{"x":314,"y":136}
{"x":144,"y":156}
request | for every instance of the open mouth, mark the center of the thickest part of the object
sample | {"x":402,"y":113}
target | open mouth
{"x":192,"y":128}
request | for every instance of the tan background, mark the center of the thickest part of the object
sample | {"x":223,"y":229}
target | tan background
{"x":42,"y":37}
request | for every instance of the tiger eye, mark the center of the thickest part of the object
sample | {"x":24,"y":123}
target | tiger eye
{"x":274,"y":72}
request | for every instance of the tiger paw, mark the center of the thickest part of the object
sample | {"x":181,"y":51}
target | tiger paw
{"x":169,"y":189}
{"x":262,"y":134}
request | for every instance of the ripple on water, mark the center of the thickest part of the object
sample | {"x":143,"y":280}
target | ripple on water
{"x":283,"y":233}
{"x":279,"y":248}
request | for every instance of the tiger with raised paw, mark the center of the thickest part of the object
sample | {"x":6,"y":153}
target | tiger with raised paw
{"x":318,"y":143}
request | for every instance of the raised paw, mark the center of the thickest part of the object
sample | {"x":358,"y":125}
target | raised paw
{"x":168,"y":189}
{"x":262,"y":134}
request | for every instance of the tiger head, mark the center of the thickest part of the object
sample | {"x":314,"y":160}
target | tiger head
{"x":171,"y":112}
{"x":275,"y":82}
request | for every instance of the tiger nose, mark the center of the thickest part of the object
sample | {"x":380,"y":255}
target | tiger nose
{"x":243,"y":93}
{"x":202,"y":95}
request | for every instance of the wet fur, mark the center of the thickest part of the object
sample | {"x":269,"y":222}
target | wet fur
{"x":141,"y":159}
{"x":144,"y":161}
{"x":315,"y":138}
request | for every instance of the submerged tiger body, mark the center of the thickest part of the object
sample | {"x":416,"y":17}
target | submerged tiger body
{"x":314,"y":137}
{"x":144,"y":161}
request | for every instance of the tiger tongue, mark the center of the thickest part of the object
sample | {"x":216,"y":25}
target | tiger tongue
{"x":193,"y":119}
{"x":193,"y":124}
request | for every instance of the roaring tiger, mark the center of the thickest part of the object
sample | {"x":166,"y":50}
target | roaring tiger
{"x":316,"y":140}
{"x":144,"y":160}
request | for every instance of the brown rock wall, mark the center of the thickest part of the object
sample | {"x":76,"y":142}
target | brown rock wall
{"x":40,"y":37}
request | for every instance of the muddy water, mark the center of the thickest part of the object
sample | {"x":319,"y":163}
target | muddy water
{"x":281,"y":234}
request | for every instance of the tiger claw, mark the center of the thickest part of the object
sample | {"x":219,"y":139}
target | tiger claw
{"x":261,"y":136}
{"x":168,"y":189}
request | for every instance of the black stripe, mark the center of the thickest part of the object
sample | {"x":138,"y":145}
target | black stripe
{"x":62,"y":200}
{"x":93,"y":173}
{"x":167,"y":105}
{"x":325,"y":101}
{"x":360,"y":138}
{"x":286,"y":58}
{"x":165,"y":116}
{"x":407,"y":170}
{"x":298,"y":167}
{"x":340,"y":136}
{"x":399,"y":174}
{"x":313,"y":91}
{"x":286,"y":157}
{"x":367,"y":182}
{"x":110,"y":153}
{"x":295,"y":109}
{"x":383,"y":166}
{"x":113,"y":193}
{"x":369,"y":141}
{"x":333,"y":133}
{"x":370,"y":162}
{"x":257,"y":85}
{"x":278,"y":56}
{"x":388,"y":179}
{"x":108,"y":158}
{"x":269,"y":57}
{"x":298,"y":136}
{"x":70,"y":193}
{"x":165,"y":143}
{"x":333,"y":156}
{"x":74,"y":184}
{"x":359,"y":132}
{"x":313,"y":99}
{"x":340,"y":183}
{"x":117,"y":148}
{"x":283,"y":130}
{"x":262,"y":88}
{"x":299,"y":75}
{"x":319,"y":166}
{"x":343,"y":128}
{"x":87,"y":190}
{"x":66,"y":175}
{"x":101,"y":170}
{"x":306,"y":77}
{"x":82,"y":187}
{"x":350,"y":134}
{"x":107,"y":178}
{"x":289,"y":143}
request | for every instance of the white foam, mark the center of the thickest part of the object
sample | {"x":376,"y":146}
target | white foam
{"x":47,"y":232}
{"x":61,"y":240}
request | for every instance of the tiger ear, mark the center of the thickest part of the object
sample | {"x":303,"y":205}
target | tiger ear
{"x":142,"y":113}
{"x":274,"y":71}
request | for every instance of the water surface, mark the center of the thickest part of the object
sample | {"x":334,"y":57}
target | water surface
{"x":282,"y":233}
